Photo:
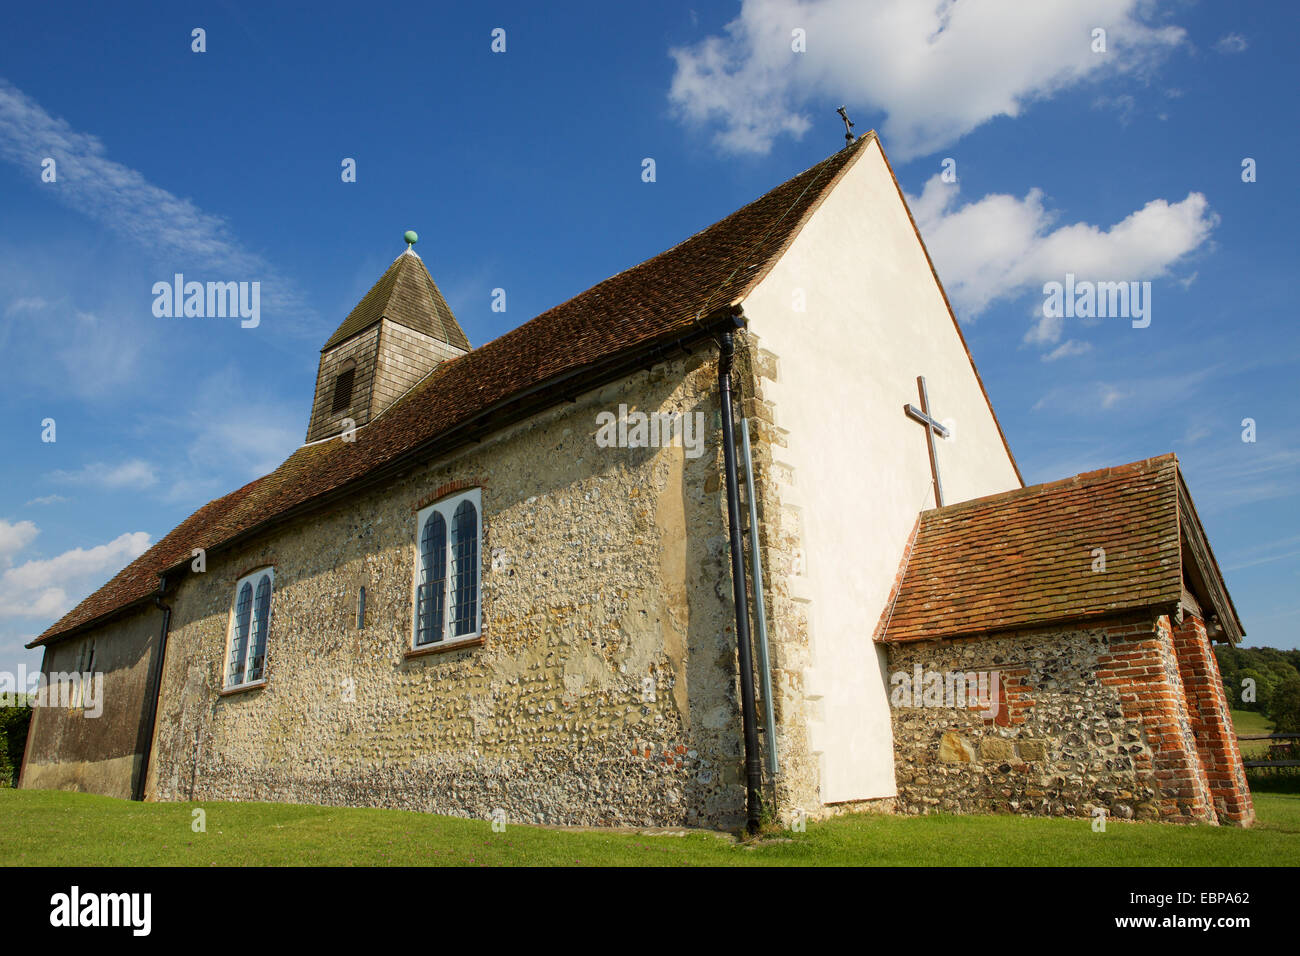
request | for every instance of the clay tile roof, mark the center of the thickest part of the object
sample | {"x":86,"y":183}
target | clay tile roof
{"x":656,"y":302}
{"x":1024,"y":558}
{"x":405,"y":294}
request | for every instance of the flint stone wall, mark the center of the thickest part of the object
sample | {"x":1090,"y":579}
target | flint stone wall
{"x":1088,"y":717}
{"x":605,"y":690}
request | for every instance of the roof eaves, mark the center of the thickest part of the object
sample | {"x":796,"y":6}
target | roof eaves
{"x":1207,"y":567}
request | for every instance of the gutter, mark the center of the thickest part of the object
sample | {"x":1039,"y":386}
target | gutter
{"x":155,"y":691}
{"x":740,"y":589}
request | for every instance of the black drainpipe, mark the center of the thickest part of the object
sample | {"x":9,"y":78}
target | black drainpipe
{"x":740,"y":591}
{"x":155,"y":692}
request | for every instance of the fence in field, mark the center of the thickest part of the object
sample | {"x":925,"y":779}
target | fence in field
{"x":1282,"y":755}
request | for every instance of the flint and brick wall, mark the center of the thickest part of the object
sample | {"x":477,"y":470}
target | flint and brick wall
{"x":1216,"y":740}
{"x":1089,"y":717}
{"x":605,"y":692}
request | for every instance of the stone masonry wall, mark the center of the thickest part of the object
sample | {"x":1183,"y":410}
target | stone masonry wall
{"x":1087,"y":717}
{"x":605,"y":690}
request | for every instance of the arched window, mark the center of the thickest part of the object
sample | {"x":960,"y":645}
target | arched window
{"x":447,"y":570}
{"x":239,"y":635}
{"x":465,"y":594}
{"x":431,"y":597}
{"x":343,"y":387}
{"x":250,"y":626}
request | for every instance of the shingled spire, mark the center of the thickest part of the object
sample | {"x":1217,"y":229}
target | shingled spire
{"x":398,"y":333}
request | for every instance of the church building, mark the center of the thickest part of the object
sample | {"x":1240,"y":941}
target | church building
{"x":733,"y":536}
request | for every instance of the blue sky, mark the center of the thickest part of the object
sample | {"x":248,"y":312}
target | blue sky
{"x":522,"y":170}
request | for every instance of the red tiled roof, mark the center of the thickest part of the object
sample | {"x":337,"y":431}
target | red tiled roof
{"x":657,"y":301}
{"x":1024,"y":557}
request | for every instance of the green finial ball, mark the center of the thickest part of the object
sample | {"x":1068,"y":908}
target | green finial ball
{"x":411,"y":237}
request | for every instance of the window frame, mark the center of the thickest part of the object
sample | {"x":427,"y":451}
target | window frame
{"x":252,"y":580}
{"x":447,"y":507}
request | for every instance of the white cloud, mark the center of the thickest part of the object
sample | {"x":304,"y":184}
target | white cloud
{"x":42,"y":588}
{"x":937,"y":70}
{"x":14,"y":537}
{"x":131,"y":474}
{"x":1067,"y":349}
{"x":1232,"y":43}
{"x":1001,"y":246}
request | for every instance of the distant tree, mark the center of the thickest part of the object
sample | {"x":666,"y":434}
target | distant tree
{"x":1264,"y":683}
{"x":14,"y":722}
{"x":1284,"y":707}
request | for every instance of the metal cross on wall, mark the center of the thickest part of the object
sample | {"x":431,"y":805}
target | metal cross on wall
{"x":932,"y":426}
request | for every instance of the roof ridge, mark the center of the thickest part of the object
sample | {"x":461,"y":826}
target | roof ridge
{"x":1141,"y":466}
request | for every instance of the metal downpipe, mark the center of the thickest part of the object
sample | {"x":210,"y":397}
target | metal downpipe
{"x":740,"y":592}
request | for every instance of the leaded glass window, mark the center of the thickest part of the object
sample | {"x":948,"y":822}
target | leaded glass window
{"x":447,"y":605}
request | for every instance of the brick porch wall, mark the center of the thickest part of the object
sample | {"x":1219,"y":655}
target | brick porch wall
{"x":1216,"y":741}
{"x":1097,"y":716}
{"x":1143,"y":666}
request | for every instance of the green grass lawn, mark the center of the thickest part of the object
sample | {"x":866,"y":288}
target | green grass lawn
{"x":1252,"y":722}
{"x":42,"y":828}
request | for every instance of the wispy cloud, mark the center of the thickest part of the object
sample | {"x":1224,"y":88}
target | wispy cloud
{"x":1246,"y":473}
{"x":25,"y":305}
{"x":1146,"y":392}
{"x":48,"y":500}
{"x":1231,"y":43}
{"x":135,"y":474}
{"x":174,"y":231}
{"x":1067,"y":349}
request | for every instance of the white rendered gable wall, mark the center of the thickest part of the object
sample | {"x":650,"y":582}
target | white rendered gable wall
{"x":875,"y":320}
